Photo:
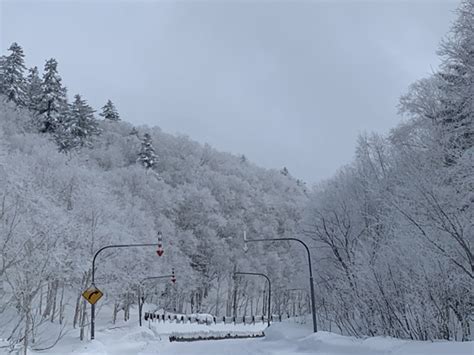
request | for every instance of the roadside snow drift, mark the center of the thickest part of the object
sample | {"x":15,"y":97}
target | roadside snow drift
{"x":281,"y":338}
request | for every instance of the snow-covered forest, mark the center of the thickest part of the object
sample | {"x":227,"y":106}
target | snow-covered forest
{"x":391,"y":234}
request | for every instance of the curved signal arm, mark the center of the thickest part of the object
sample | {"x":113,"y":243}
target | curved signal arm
{"x":269,"y":289}
{"x":311,"y":281}
{"x":93,"y":271}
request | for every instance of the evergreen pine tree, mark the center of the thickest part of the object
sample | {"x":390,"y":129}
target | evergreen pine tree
{"x":80,"y":124}
{"x":33,"y":89}
{"x":53,"y":101}
{"x":109,"y":112}
{"x":134,"y":132}
{"x":62,"y":132}
{"x":147,"y":156}
{"x":13,"y":80}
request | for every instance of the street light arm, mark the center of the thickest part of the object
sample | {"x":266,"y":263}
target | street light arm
{"x":310,"y":266}
{"x":93,"y":271}
{"x":115,"y":246}
{"x":155,"y":278}
{"x":141,"y":295}
{"x":288,"y":239}
{"x":269,"y":289}
{"x":252,"y":273}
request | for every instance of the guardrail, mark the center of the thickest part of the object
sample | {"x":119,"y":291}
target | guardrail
{"x":211,"y":320}
{"x":214,"y":336}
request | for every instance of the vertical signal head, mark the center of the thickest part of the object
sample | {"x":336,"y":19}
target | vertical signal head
{"x":173,"y":277}
{"x":160,"y":250}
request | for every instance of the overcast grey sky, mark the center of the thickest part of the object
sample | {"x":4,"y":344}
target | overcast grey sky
{"x":287,"y":83}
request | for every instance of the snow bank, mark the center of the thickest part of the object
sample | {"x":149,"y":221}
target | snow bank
{"x":281,"y":339}
{"x":331,"y":343}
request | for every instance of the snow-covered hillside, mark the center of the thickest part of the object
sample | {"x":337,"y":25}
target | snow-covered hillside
{"x":389,"y":238}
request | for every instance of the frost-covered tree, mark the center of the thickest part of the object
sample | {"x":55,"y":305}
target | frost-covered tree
{"x":109,"y":112}
{"x":147,"y":156}
{"x":447,"y":97}
{"x":13,"y":84}
{"x":457,"y":82}
{"x":33,"y":89}
{"x":79,"y":126}
{"x":394,"y":227}
{"x":134,"y":132}
{"x":53,"y":101}
{"x":2,"y":65}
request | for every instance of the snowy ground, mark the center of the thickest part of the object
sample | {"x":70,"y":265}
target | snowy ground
{"x":281,"y":338}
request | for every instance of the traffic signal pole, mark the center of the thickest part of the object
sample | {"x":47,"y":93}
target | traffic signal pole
{"x":159,"y":252}
{"x":172,"y":277}
{"x":269,"y":289}
{"x":311,"y":281}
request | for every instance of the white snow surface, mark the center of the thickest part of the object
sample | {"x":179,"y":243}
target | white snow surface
{"x":287,"y":337}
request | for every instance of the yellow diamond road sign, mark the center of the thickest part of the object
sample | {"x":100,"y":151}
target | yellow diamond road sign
{"x":92,"y":294}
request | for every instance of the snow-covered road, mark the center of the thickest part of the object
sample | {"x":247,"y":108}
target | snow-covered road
{"x":281,"y":338}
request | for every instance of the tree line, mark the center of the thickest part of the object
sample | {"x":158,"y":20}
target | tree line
{"x":394,"y":229}
{"x":391,"y":233}
{"x":72,"y":125}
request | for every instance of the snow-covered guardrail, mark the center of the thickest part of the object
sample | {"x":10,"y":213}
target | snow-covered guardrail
{"x":208,"y":319}
{"x":216,"y":335}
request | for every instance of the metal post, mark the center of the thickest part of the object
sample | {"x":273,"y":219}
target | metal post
{"x":269,"y":289}
{"x":311,"y":282}
{"x":93,"y":274}
{"x":313,"y":306}
{"x":269,"y":301}
{"x":140,"y":305}
{"x":92,"y":321}
{"x":234,"y":301}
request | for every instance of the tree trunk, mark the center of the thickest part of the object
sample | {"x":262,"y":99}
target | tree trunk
{"x":78,"y":304}
{"x":217,"y":296}
{"x":55,"y":293}
{"x":47,"y":308}
{"x":140,"y":307}
{"x":27,"y":331}
{"x":61,"y":306}
{"x":234,"y":302}
{"x":41,"y":300}
{"x":83,"y":319}
{"x":115,"y":312}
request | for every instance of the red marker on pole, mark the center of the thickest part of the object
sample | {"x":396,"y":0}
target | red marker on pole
{"x":160,"y":250}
